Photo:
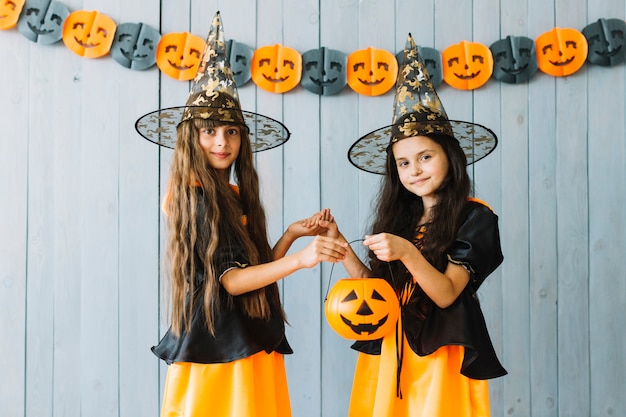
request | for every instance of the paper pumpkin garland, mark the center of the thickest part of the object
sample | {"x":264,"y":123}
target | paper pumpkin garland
{"x":467,"y":65}
{"x":606,"y":40}
{"x":558,"y":52}
{"x":135,"y":46}
{"x":362,"y":308}
{"x":10,"y":13}
{"x":515,"y":60}
{"x":432,"y":61}
{"x":89,"y":34}
{"x":561,"y":52}
{"x":372,"y":71}
{"x":178,"y":55}
{"x":276,"y":68}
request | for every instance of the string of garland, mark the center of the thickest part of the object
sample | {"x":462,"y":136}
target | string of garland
{"x":278,"y":69}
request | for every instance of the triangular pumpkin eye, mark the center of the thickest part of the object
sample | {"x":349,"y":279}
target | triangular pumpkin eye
{"x":350,"y":297}
{"x":376,"y":296}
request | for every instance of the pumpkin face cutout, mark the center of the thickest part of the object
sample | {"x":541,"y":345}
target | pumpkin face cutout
{"x":467,"y":65}
{"x":239,"y":57}
{"x":606,"y":40}
{"x":135,"y":46}
{"x":178,"y":55}
{"x":276,"y":68}
{"x":42,"y":21}
{"x":324,"y":71}
{"x":10,"y":13}
{"x":372,"y":72}
{"x":362,"y":308}
{"x":89,"y":34}
{"x":514,"y":59}
{"x":432,"y":61}
{"x":561,"y":52}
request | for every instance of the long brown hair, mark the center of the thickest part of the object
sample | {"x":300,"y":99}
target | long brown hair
{"x":398,"y":211}
{"x":191,"y":238}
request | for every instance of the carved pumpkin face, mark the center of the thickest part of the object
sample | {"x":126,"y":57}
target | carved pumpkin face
{"x":276,"y":68}
{"x":10,"y":13}
{"x":432,"y":61}
{"x":372,"y":72}
{"x":135,"y":46}
{"x":239,"y":57}
{"x":514,"y":59}
{"x":42,"y":21}
{"x":362,"y":308}
{"x":467,"y":65}
{"x":178,"y":55}
{"x":324,"y":71}
{"x":606,"y":39}
{"x":89,"y":34}
{"x":561,"y":52}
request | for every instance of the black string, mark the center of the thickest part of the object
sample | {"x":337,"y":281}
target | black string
{"x":330,"y":278}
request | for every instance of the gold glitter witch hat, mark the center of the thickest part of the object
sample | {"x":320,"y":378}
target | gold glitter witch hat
{"x":213,"y":95}
{"x":417,"y":111}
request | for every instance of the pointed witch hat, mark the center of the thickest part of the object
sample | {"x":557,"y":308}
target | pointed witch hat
{"x":213,"y":95}
{"x":417,"y":111}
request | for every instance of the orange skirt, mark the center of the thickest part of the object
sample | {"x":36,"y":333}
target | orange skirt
{"x":431,"y":386}
{"x":255,"y":386}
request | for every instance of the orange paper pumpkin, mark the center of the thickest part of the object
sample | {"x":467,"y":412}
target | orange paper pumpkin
{"x":362,"y":308}
{"x":371,"y":71}
{"x":178,"y":55}
{"x":10,"y":13}
{"x":467,"y":65}
{"x":276,"y":68}
{"x":89,"y":34}
{"x":561,"y":52}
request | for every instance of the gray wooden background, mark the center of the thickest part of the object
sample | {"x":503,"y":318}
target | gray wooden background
{"x":81,"y":233}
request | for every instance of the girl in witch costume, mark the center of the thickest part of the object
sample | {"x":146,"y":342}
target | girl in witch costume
{"x":226,"y":342}
{"x":435,"y":245}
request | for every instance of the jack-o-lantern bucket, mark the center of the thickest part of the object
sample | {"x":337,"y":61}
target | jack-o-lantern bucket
{"x":362,"y":308}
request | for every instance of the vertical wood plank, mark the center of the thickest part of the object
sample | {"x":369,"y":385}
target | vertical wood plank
{"x":572,"y":195}
{"x":606,"y":91}
{"x":138,"y":233}
{"x":14,"y":221}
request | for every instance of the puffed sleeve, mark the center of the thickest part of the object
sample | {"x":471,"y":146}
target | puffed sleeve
{"x":477,"y":246}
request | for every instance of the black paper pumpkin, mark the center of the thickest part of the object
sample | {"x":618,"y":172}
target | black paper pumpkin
{"x":42,"y":21}
{"x":514,"y":59}
{"x":134,"y":46}
{"x":606,"y":41}
{"x":324,"y":71}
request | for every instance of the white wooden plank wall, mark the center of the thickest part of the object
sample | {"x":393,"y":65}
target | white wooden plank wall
{"x":82,"y":289}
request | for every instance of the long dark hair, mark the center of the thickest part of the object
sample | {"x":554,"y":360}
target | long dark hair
{"x":398,"y":211}
{"x":189,"y":166}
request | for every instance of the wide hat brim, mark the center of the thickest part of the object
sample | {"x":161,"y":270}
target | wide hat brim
{"x":159,"y":126}
{"x":369,"y":153}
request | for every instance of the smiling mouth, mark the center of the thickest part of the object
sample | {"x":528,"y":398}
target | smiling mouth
{"x":368,"y":83}
{"x":562,"y":63}
{"x":86,"y":45}
{"x":275,"y":80}
{"x":368,"y":328}
{"x":322,"y":83}
{"x":179,"y":67}
{"x":607,"y":54}
{"x":467,"y":77}
{"x":40,"y":31}
{"x":514,"y":71}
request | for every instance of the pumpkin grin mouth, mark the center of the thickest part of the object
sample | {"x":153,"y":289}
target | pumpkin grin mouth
{"x":179,"y":67}
{"x":322,"y":83}
{"x":562,"y":63}
{"x":467,"y":77}
{"x":86,"y":45}
{"x":368,"y":328}
{"x":514,"y":71}
{"x":370,"y":83}
{"x":609,"y":54}
{"x":274,"y":80}
{"x":39,"y":31}
{"x":131,"y":57}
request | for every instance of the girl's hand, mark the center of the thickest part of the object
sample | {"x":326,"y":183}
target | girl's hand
{"x":323,"y":249}
{"x":317,"y":224}
{"x":388,"y":247}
